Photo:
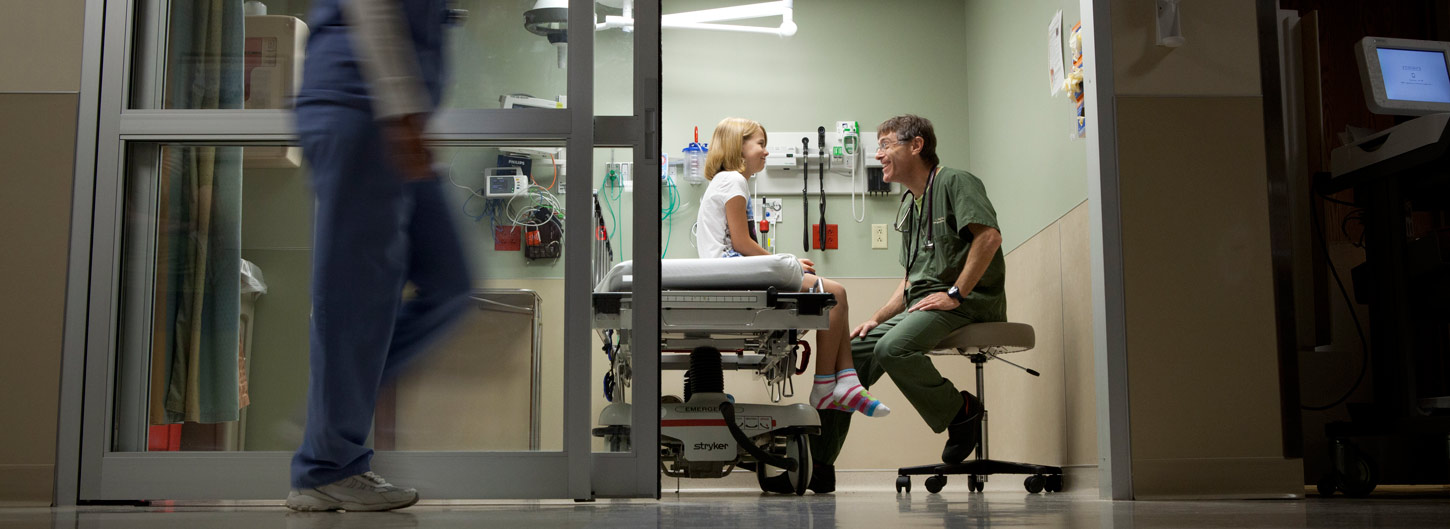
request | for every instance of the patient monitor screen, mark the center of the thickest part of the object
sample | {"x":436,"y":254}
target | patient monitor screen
{"x":1414,"y":75}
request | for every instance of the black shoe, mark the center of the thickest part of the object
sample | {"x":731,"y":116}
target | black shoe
{"x":823,"y":479}
{"x":965,"y":432}
{"x":779,"y":484}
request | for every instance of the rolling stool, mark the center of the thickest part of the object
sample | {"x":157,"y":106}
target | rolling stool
{"x":980,"y":342}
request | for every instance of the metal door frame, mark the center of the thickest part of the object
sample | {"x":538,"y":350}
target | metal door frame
{"x":86,"y":467}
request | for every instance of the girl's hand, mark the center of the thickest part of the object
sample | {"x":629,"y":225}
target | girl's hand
{"x":808,"y":266}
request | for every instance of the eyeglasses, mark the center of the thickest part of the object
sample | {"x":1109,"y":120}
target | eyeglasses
{"x":887,"y":144}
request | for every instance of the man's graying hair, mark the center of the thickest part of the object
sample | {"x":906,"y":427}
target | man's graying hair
{"x":908,"y":126}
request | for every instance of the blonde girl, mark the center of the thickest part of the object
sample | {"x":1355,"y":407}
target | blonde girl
{"x":737,"y":153}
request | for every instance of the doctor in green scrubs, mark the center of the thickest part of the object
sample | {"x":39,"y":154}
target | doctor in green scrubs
{"x":954,"y":274}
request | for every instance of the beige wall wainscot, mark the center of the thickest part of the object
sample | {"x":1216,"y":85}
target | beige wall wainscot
{"x":40,"y":51}
{"x":1203,"y":370}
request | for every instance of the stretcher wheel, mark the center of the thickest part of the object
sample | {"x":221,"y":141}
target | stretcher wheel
{"x":1358,"y":477}
{"x":1054,"y":483}
{"x":934,"y":484}
{"x":903,"y":483}
{"x":1327,"y":485}
{"x":798,"y":448}
{"x":1035,"y":484}
{"x":975,"y":484}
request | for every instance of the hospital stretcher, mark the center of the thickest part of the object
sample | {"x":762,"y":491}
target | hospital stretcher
{"x":740,"y":313}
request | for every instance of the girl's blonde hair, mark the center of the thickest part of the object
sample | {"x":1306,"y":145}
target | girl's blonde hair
{"x":727,"y":145}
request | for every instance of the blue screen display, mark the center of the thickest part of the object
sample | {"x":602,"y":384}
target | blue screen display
{"x":1415,"y":75}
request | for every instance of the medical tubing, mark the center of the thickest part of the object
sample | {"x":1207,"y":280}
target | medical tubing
{"x":556,"y":175}
{"x":805,"y":357}
{"x":667,"y":213}
{"x":727,"y":409}
{"x":821,"y":174}
{"x":856,"y":169}
{"x":805,"y":192}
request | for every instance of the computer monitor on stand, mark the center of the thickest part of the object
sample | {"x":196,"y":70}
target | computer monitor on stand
{"x":1405,"y":77}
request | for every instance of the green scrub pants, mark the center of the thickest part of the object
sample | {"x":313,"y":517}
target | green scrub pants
{"x":898,"y":347}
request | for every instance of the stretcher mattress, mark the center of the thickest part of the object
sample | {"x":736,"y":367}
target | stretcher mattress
{"x":781,"y":271}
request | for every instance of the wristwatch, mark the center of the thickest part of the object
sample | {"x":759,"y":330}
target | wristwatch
{"x":955,"y":293}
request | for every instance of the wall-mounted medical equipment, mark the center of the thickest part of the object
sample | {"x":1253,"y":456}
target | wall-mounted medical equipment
{"x":504,"y":182}
{"x":845,"y":174}
{"x":848,"y":134}
{"x":1403,"y":77}
{"x":543,"y":235}
{"x":274,"y":50}
{"x":1170,"y":30}
{"x":694,"y":157}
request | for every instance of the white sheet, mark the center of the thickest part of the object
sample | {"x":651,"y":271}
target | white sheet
{"x":782,"y":271}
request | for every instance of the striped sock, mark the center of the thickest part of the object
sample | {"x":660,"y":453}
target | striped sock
{"x":823,"y":395}
{"x":854,"y":397}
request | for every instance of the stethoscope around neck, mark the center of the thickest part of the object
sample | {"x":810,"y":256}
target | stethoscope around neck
{"x":910,"y":220}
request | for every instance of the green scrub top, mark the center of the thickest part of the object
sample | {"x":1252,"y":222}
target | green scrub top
{"x":957,"y":199}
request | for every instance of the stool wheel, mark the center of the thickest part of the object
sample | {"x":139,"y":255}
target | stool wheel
{"x":1327,"y":485}
{"x":1035,"y":483}
{"x":975,"y":484}
{"x":903,"y":483}
{"x":935,"y":483}
{"x":1054,"y":483}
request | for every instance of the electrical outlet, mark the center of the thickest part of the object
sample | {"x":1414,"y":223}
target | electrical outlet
{"x":878,"y":236}
{"x":832,"y":242}
{"x":506,"y":238}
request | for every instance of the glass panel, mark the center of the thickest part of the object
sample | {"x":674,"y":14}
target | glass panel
{"x":216,"y":305}
{"x":613,"y":64}
{"x":613,"y":244}
{"x":231,"y":55}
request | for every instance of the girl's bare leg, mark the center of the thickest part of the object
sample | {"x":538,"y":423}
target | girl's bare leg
{"x":836,"y":384}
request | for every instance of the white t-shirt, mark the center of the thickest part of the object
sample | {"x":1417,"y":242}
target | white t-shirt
{"x":712,"y":234}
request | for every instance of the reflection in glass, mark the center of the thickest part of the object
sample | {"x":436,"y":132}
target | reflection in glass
{"x":226,"y":54}
{"x":216,"y":301}
{"x":222,"y":55}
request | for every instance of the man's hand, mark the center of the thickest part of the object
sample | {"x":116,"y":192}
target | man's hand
{"x":937,"y":301}
{"x":404,"y":139}
{"x":865,"y":327}
{"x":808,"y":266}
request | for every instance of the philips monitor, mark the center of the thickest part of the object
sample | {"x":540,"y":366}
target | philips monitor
{"x":1403,"y":77}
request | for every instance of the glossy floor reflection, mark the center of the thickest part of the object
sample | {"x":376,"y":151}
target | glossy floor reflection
{"x":874,"y":510}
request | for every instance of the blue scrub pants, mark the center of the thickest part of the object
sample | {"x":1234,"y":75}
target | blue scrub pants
{"x":374,"y":233}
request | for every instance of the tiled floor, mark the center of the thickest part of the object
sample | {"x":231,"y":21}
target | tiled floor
{"x":874,"y":510}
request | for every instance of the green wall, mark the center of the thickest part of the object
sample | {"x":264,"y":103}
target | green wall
{"x":851,"y":60}
{"x":1018,"y":133}
{"x":855,"y":60}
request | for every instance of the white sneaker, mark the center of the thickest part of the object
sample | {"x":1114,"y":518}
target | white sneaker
{"x":363,"y":492}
